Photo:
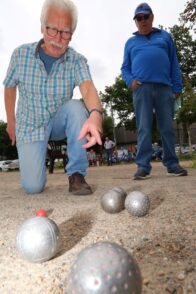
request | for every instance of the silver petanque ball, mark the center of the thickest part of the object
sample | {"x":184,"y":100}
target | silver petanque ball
{"x":113,"y":201}
{"x":120,"y":190}
{"x":137,"y":203}
{"x":38,"y":239}
{"x":104,"y":268}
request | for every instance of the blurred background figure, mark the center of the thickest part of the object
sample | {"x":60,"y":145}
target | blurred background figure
{"x":157,"y":152}
{"x":92,"y":157}
{"x":109,"y":148}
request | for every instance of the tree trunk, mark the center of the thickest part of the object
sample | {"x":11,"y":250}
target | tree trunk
{"x":189,"y":140}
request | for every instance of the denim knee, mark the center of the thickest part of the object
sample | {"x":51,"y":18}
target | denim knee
{"x":35,"y":187}
{"x":76,"y":108}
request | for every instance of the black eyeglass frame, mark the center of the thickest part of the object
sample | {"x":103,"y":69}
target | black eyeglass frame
{"x":143,"y":17}
{"x":67,"y":34}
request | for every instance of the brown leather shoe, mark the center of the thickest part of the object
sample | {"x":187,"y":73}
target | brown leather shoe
{"x":78,"y":185}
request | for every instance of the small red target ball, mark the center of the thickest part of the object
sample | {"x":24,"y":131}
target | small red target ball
{"x":41,"y":212}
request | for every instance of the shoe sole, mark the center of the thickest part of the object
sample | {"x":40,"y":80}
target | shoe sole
{"x":81,"y":193}
{"x":177,"y":175}
{"x":142,"y":178}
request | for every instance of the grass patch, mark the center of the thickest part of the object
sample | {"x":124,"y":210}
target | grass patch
{"x":193,"y":164}
{"x":187,"y":157}
{"x":184,"y":157}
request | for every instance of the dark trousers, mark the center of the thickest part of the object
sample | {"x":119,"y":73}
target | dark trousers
{"x":109,"y":153}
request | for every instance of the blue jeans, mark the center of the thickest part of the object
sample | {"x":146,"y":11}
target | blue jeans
{"x":147,"y":98}
{"x":67,"y":122}
{"x":109,"y":153}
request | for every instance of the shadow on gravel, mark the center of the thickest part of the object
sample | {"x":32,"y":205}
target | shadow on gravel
{"x":156,"y":198}
{"x":74,"y":229}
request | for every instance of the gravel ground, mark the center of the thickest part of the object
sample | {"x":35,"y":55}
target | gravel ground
{"x":163,"y":242}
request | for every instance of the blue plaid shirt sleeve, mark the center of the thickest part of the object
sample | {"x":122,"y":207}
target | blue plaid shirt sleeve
{"x":82,"y":72}
{"x":11,"y":79}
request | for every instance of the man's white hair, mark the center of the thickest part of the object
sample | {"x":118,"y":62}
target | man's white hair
{"x":67,"y":5}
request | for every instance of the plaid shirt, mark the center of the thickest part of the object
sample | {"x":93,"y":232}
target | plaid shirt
{"x":41,"y":94}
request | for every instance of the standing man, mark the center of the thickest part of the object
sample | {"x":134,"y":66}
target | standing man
{"x":46,"y":73}
{"x":109,"y":147}
{"x":151,"y":69}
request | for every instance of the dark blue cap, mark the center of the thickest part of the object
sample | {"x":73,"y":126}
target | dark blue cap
{"x":143,"y":8}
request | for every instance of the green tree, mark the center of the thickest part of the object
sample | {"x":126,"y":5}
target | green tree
{"x":7,"y":151}
{"x":187,"y":113}
{"x":118,"y":99}
{"x":188,"y":16}
{"x":108,"y":128}
{"x":186,"y":51}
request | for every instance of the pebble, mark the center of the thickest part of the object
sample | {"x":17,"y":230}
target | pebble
{"x":182,"y":276}
{"x":146,"y":281}
{"x":190,"y":267}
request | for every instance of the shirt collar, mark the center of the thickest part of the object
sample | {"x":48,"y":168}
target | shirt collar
{"x":154,"y":30}
{"x":64,"y":57}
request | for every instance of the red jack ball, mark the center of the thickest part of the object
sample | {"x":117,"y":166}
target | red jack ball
{"x":41,"y":212}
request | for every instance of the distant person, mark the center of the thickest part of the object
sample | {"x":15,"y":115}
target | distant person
{"x":157,"y":152}
{"x":124,"y":154}
{"x":132,"y":152}
{"x":91,"y":157}
{"x":109,"y":148}
{"x":151,"y":69}
{"x":46,"y":73}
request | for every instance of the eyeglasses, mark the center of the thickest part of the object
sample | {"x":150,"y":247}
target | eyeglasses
{"x":52,"y":32}
{"x":144,"y":17}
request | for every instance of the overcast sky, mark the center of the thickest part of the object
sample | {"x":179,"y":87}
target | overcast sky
{"x":103,"y":28}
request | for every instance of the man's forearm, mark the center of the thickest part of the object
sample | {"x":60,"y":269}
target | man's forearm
{"x":90,"y":96}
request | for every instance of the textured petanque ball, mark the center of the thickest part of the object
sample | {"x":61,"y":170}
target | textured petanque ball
{"x":38,"y":239}
{"x":137,"y":203}
{"x":120,"y":190}
{"x":104,"y":268}
{"x":113,"y":201}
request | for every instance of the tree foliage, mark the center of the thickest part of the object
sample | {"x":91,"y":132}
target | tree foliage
{"x":187,"y":113}
{"x":7,"y":151}
{"x":188,"y":16}
{"x":186,"y":51}
{"x":118,"y":99}
{"x":108,"y":127}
